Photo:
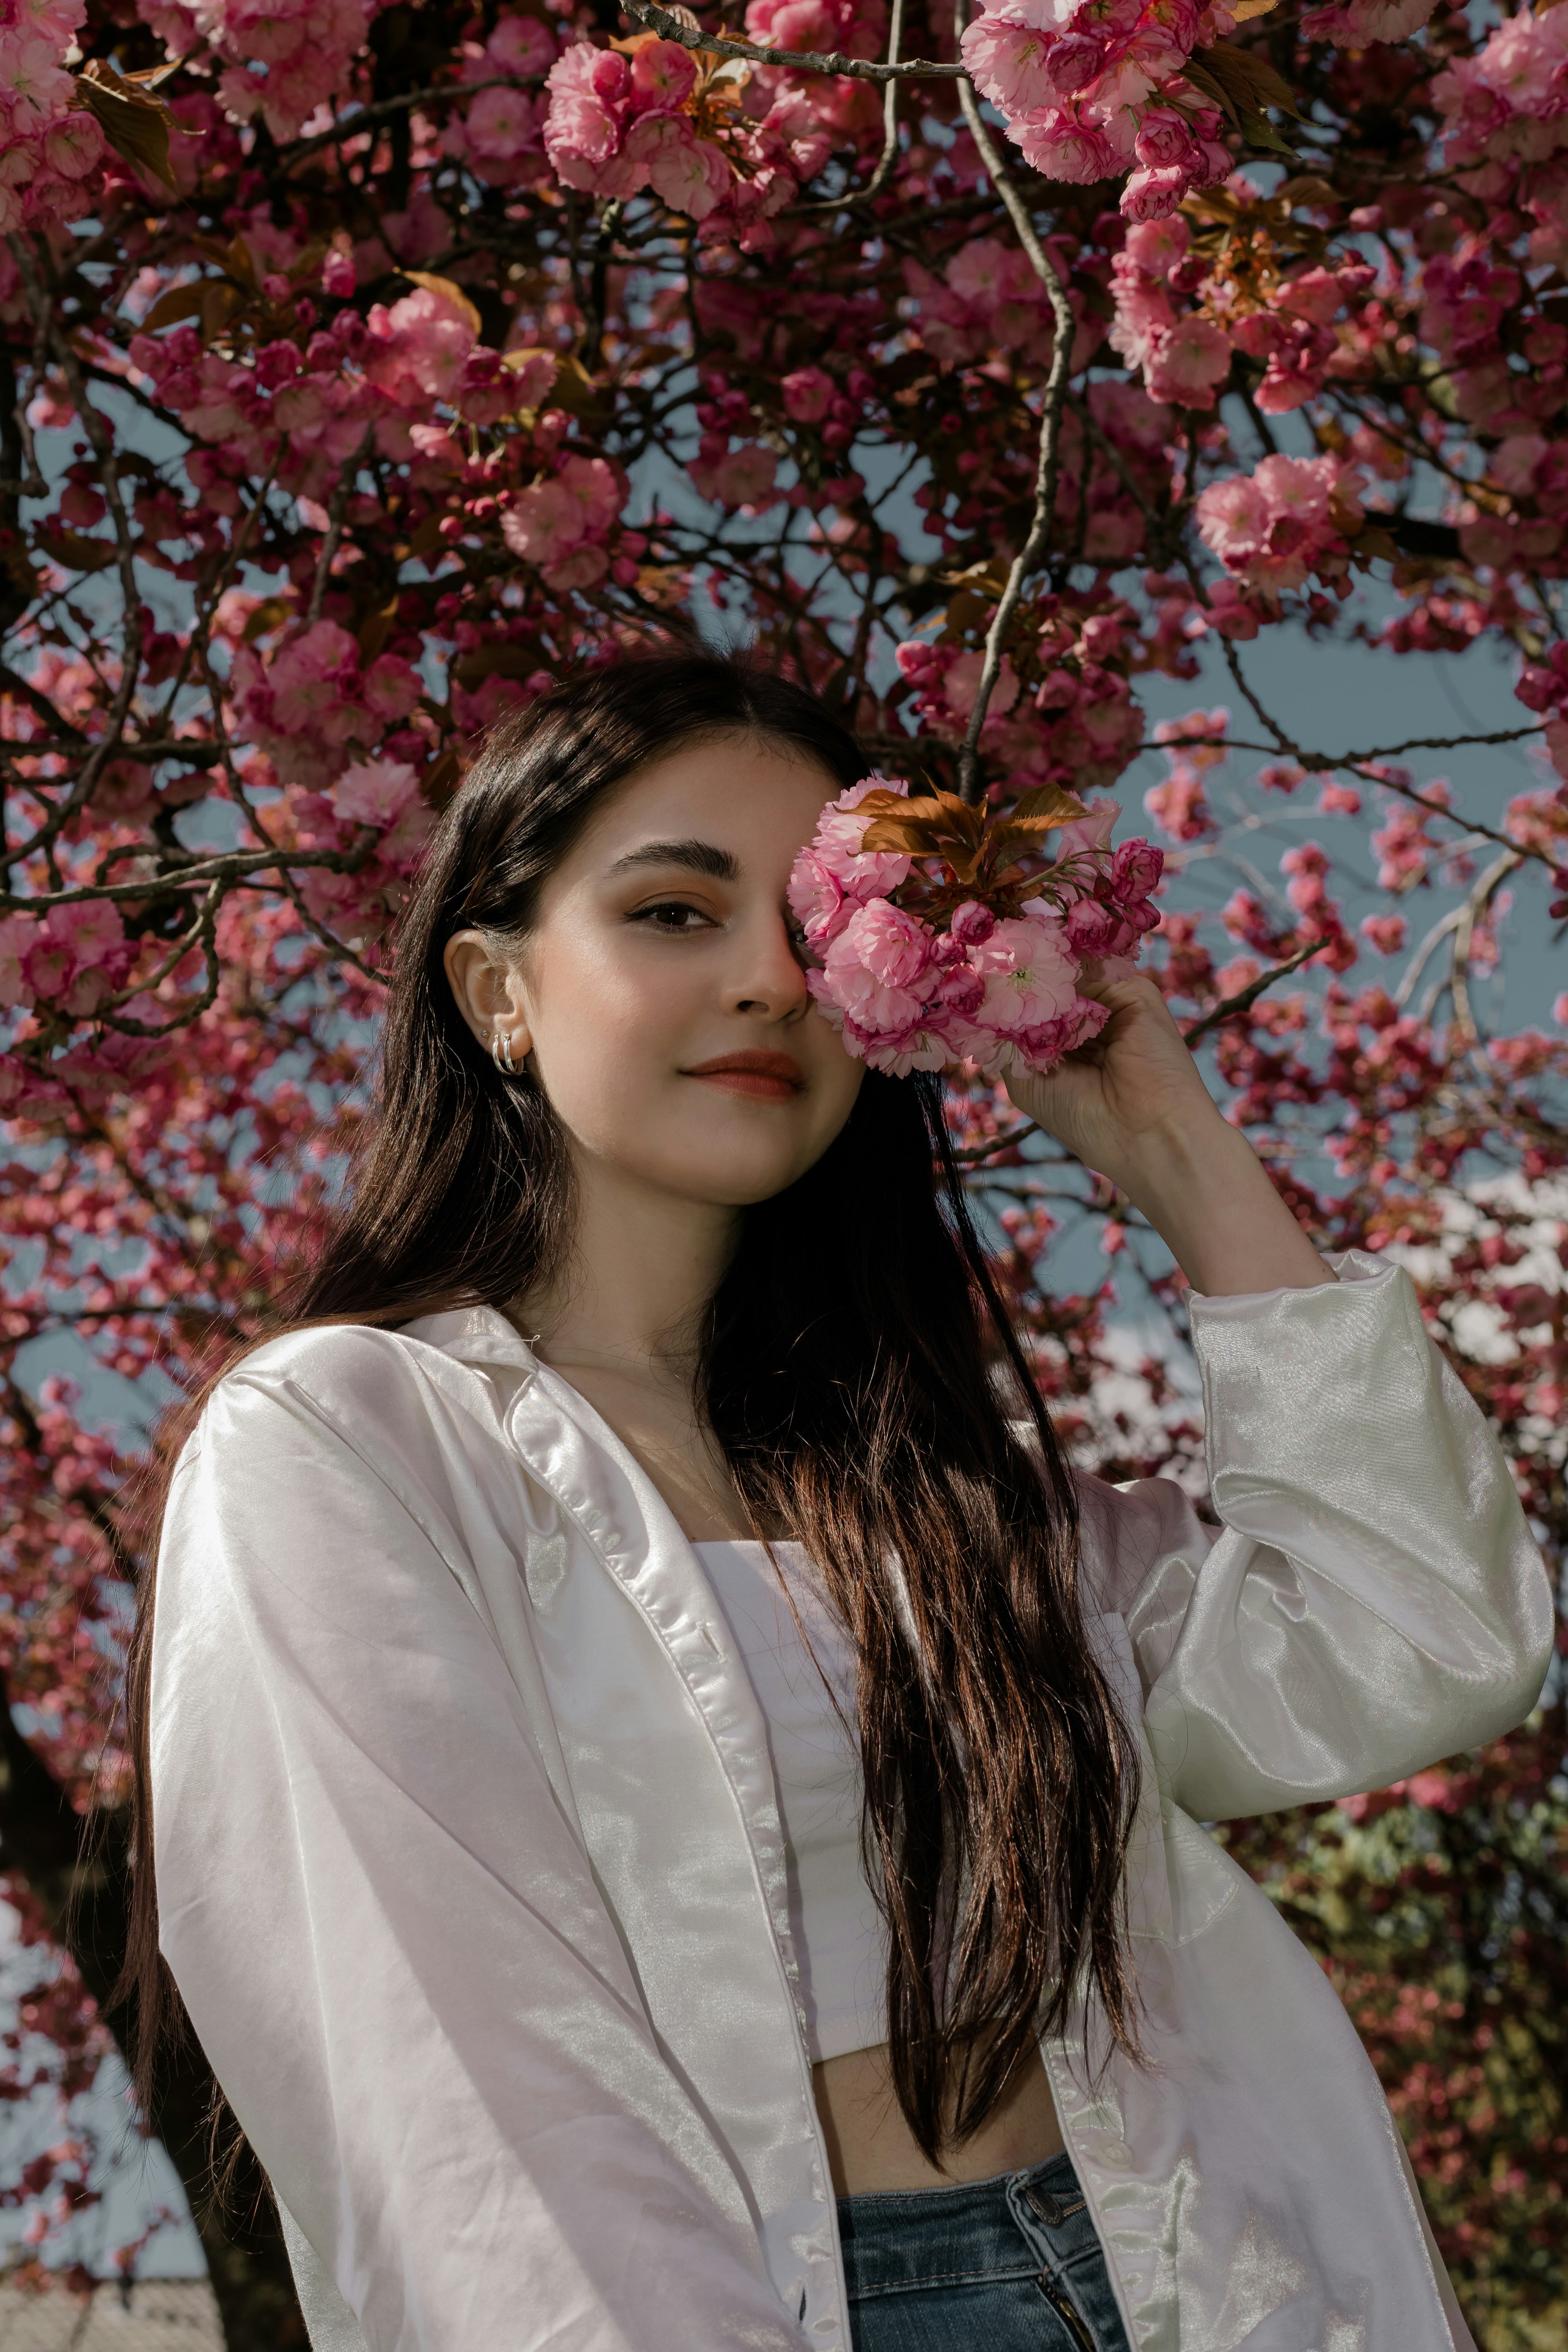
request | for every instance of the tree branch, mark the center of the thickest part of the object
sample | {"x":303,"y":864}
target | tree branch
{"x":1033,"y":547}
{"x":1245,"y":998}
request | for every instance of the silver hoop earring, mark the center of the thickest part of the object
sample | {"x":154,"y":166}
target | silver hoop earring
{"x":500,"y":1053}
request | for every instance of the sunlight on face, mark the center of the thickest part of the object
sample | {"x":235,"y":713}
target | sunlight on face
{"x":661,"y":996}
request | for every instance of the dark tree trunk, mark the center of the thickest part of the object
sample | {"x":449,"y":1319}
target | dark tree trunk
{"x":76,"y":1869}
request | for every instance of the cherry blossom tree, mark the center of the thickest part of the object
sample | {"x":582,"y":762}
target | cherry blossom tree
{"x":1020,"y":378}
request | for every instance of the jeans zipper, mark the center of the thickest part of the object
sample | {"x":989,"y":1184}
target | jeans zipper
{"x":1064,"y":2310}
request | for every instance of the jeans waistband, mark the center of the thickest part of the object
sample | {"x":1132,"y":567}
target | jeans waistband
{"x":907,"y":2238}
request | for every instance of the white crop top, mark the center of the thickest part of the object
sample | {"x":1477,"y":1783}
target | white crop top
{"x":840,"y":1940}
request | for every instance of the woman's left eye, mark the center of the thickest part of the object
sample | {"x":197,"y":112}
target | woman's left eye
{"x":672,"y":914}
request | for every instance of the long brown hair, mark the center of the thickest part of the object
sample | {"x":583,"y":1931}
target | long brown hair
{"x":862,"y":1377}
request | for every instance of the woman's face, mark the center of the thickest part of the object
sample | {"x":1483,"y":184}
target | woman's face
{"x":661,"y":997}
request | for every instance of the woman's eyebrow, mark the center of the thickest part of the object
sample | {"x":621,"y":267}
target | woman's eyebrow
{"x":703,"y":857}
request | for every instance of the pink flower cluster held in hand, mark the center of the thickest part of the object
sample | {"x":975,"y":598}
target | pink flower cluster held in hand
{"x":1092,"y":88}
{"x":999,"y":992}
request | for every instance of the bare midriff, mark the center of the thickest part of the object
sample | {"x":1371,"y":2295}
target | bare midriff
{"x":871,"y":2150}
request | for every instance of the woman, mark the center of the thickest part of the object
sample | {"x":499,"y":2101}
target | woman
{"x":644,"y":1730}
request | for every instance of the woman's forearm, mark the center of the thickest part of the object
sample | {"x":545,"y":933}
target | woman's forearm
{"x":1205,"y":1192}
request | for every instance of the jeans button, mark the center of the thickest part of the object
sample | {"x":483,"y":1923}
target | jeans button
{"x":1046,"y":2206}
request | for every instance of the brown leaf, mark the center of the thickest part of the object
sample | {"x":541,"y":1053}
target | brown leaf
{"x":268,"y":615}
{"x":75,"y":550}
{"x":448,"y":289}
{"x":235,"y":259}
{"x":1212,"y":204}
{"x":376,"y":629}
{"x":575,"y":389}
{"x":220,"y":300}
{"x":179,"y":303}
{"x":427,"y":538}
{"x":1307,"y":188}
{"x":1014,"y":839}
{"x":136,"y":123}
{"x":926,"y":826}
{"x":1258,"y":131}
{"x":495,"y":661}
{"x":1050,"y":801}
{"x":1249,"y":82}
{"x":896,"y":837}
{"x":1209,"y":86}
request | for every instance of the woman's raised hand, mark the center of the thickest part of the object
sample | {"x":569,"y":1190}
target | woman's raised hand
{"x":1134,"y":1106}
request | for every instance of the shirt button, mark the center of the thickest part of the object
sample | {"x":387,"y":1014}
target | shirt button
{"x":1114,"y":2154}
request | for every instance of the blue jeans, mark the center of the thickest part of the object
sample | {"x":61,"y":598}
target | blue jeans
{"x":1011,"y":2264}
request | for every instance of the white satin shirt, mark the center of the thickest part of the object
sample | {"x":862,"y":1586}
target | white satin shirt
{"x":800,"y":1661}
{"x":472,"y":1874}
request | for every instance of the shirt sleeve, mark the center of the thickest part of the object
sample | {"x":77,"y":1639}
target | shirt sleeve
{"x":1372,"y":1600}
{"x":387,"y":1932}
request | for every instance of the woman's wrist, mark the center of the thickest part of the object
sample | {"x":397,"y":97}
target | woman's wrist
{"x":1206,"y":1194}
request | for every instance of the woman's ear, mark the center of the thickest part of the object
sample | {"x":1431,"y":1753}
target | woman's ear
{"x":490,"y":995}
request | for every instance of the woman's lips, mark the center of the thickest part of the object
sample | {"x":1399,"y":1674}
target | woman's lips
{"x":760,"y":1076}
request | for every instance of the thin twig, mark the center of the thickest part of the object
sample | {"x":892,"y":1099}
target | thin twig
{"x":975,"y":1154}
{"x":670,"y":28}
{"x":1464,"y":933}
{"x":342,"y":490}
{"x":1245,"y":998}
{"x":102,"y":444}
{"x":230,"y":868}
{"x":387,"y":109}
{"x":889,"y":154}
{"x":238,"y":542}
{"x":1051,"y":409}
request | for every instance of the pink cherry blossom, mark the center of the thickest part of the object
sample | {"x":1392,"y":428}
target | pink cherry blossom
{"x":372,"y":791}
{"x":417,"y":348}
{"x":663,"y":73}
{"x":1188,"y":363}
{"x":688,"y":173}
{"x":1089,"y":831}
{"x":808,"y":393}
{"x":1030,"y":974}
{"x":861,"y":876}
{"x":871,"y":970}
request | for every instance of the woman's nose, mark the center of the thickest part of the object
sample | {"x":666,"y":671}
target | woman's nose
{"x":768,"y":981}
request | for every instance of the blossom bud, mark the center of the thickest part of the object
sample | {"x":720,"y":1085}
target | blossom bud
{"x":972,"y":924}
{"x":1153,"y":193}
{"x":1073,"y":62}
{"x":1094,"y":929}
{"x":339,"y":276}
{"x":1539,"y":688}
{"x":611,"y":76}
{"x":961,"y":991}
{"x":1163,"y":139}
{"x":1101,"y":636}
{"x":1135,"y":869}
{"x":275,"y":287}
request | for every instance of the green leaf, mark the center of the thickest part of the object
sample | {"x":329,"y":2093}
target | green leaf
{"x":1258,"y":134}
